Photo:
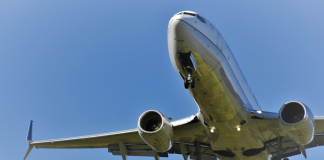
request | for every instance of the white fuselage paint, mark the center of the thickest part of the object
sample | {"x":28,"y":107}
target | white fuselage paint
{"x":222,"y":94}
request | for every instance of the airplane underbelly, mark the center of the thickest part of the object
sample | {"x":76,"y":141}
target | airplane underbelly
{"x":214,"y":92}
{"x":215,"y":95}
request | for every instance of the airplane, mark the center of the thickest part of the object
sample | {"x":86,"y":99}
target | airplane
{"x":229,"y":125}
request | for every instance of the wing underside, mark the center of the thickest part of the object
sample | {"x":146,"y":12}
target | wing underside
{"x":188,"y":131}
{"x":190,"y":140}
{"x":289,"y":147}
{"x":277,"y":142}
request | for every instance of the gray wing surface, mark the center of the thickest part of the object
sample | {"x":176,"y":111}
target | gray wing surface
{"x":276,"y":140}
{"x":188,"y":131}
{"x":319,"y":124}
{"x":90,"y":141}
{"x":190,"y":139}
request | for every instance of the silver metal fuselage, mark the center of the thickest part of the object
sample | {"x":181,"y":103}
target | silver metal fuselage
{"x":221,"y":92}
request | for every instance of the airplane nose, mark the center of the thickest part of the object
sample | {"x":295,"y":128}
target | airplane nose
{"x":177,"y":27}
{"x":178,"y":32}
{"x":176,"y":20}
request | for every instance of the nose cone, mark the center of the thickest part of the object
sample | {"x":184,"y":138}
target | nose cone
{"x":178,"y":20}
{"x":176,"y":29}
{"x":180,"y":27}
{"x":177,"y":36}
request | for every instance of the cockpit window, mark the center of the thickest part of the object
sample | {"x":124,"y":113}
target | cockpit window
{"x":179,"y":13}
{"x":191,"y":14}
{"x":201,"y":19}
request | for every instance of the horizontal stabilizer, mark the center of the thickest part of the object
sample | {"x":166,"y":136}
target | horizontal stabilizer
{"x":28,"y":151}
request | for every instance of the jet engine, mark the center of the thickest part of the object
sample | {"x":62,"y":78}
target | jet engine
{"x":297,"y":121}
{"x":155,"y":130}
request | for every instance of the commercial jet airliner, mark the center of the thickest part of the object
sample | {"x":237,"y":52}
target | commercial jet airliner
{"x":229,"y":124}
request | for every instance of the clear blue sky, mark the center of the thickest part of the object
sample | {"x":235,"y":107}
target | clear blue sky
{"x":86,"y":67}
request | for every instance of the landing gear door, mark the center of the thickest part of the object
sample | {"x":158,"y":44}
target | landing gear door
{"x":192,"y":58}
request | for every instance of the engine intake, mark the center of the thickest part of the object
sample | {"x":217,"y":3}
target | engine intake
{"x":292,"y":112}
{"x":156,"y":130}
{"x":151,"y":121}
{"x":297,"y":121}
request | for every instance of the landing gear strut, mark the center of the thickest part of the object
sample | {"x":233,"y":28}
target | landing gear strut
{"x":187,"y":62}
{"x":189,"y":79}
{"x":280,"y":151}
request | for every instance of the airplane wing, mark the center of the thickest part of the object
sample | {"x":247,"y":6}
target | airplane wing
{"x":277,"y":141}
{"x":190,"y":139}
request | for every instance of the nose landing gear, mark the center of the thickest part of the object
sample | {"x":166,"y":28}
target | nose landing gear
{"x":189,"y":80}
{"x":188,"y":63}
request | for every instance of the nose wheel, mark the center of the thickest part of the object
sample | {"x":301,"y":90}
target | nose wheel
{"x":189,"y":80}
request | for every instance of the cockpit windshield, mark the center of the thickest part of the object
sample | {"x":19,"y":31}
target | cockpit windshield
{"x":191,"y":14}
{"x":201,"y":19}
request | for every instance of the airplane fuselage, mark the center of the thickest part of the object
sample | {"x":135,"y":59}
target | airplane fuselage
{"x":223,"y":97}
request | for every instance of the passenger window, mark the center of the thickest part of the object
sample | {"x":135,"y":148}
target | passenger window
{"x":201,"y":19}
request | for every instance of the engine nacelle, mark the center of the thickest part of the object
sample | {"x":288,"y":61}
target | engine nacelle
{"x":156,"y":130}
{"x":297,"y":121}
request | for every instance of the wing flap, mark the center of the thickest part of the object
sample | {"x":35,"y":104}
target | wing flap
{"x":291,"y":148}
{"x":147,"y":153}
{"x":312,"y":144}
{"x":319,"y":124}
{"x":319,"y":140}
{"x":143,"y":149}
